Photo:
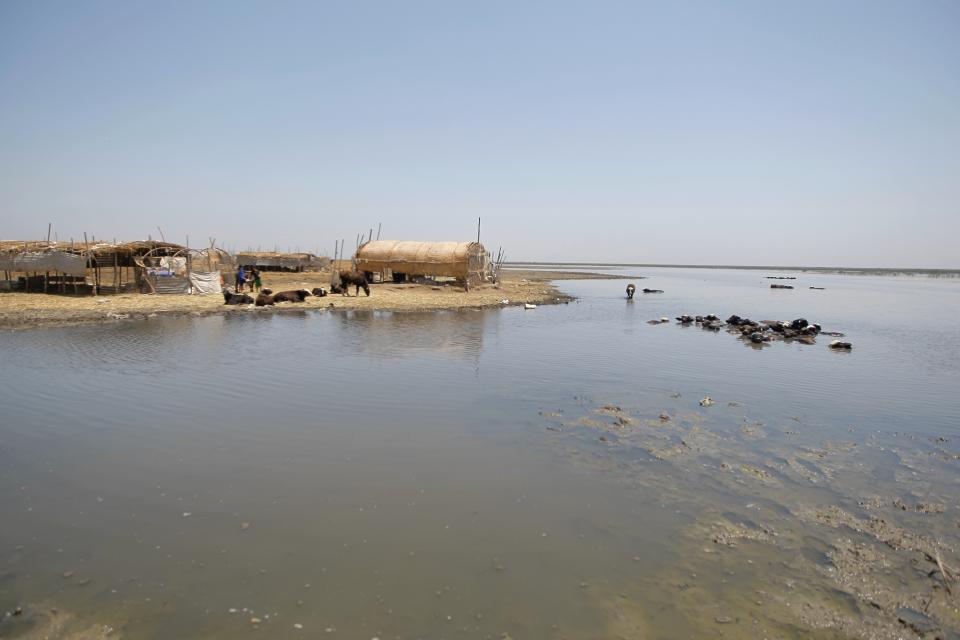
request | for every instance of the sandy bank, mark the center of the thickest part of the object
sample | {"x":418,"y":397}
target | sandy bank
{"x":28,"y":310}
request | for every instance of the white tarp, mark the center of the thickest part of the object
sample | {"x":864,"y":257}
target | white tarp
{"x":205,"y":282}
{"x":68,"y":263}
{"x":173,"y":264}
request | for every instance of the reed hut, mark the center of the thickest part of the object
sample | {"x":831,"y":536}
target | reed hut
{"x":276,"y":261}
{"x":466,"y":262}
{"x":90,"y":267}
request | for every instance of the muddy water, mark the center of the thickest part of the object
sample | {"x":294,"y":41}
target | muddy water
{"x":545,"y":473}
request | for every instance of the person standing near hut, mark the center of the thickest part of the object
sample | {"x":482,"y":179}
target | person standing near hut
{"x":241,"y":278}
{"x":255,"y":280}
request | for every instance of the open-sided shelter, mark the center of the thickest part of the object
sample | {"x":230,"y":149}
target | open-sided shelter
{"x":149,"y":266}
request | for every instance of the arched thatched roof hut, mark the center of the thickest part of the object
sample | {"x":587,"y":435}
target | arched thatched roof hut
{"x":276,"y":261}
{"x":468,"y":262}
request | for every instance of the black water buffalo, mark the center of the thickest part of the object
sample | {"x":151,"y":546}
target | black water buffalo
{"x":291,"y":296}
{"x":631,"y":289}
{"x":236,"y":298}
{"x":265,"y":298}
{"x":320,"y":292}
{"x":645,"y":290}
{"x":356,"y":279}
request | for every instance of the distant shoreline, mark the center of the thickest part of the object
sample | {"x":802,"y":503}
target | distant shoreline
{"x":836,"y":270}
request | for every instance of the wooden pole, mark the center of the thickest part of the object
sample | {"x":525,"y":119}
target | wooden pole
{"x":86,"y":244}
{"x":49,"y":228}
{"x":378,"y":230}
{"x":478,"y":230}
{"x":333,"y":265}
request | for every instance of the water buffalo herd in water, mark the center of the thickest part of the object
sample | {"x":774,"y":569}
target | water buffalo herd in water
{"x":267,"y":298}
{"x":765,"y":331}
{"x":799,"y":330}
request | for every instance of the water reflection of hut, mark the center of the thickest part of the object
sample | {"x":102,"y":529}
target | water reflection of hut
{"x":276,"y":261}
{"x":467,"y":262}
{"x":453,"y":335}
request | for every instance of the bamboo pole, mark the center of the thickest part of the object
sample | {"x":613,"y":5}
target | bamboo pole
{"x":87,"y":253}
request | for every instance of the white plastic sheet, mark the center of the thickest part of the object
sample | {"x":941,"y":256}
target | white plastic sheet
{"x":205,"y":282}
{"x":63,"y":262}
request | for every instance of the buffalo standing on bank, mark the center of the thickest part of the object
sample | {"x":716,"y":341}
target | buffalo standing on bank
{"x":356,"y":279}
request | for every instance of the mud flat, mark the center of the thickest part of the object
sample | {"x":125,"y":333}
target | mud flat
{"x":27,"y":310}
{"x":792,"y":532}
{"x":45,"y":622}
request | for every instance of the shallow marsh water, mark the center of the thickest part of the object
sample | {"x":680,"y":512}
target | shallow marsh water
{"x":480,"y":473}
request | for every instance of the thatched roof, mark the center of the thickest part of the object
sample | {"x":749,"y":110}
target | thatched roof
{"x":275,"y":259}
{"x":276,"y":254}
{"x":427,"y":258}
{"x":139,"y":247}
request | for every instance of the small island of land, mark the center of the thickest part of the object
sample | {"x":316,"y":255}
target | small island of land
{"x":516,"y":287}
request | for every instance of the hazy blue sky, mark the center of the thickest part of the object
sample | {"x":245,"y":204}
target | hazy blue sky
{"x":704,"y":132}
